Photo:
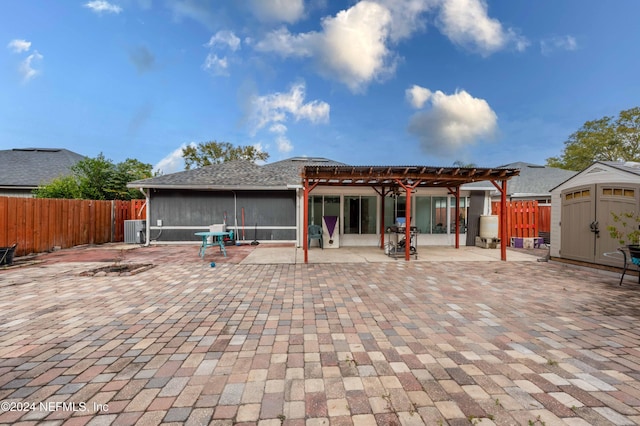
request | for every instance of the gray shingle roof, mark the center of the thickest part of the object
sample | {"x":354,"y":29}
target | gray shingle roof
{"x":535,"y":179}
{"x":30,"y":167}
{"x":239,"y":174}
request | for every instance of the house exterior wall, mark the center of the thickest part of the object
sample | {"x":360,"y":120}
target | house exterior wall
{"x":373,"y":239}
{"x":22,"y":193}
{"x":268,"y":215}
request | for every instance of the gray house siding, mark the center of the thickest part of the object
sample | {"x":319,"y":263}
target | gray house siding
{"x":273,"y":212}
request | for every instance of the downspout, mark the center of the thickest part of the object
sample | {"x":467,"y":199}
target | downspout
{"x":147,"y":238}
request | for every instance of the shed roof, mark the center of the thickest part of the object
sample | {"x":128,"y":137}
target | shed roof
{"x":30,"y":167}
{"x":603,"y":172}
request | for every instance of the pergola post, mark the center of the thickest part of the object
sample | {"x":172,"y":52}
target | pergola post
{"x":382,"y":218}
{"x":503,"y":217}
{"x":503,"y":221}
{"x":407,"y":233}
{"x":457,"y":194}
{"x":305,"y":220}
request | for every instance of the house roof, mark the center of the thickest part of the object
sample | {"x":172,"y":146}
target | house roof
{"x":285,"y":174}
{"x":25,"y":168}
{"x":535,"y":180}
{"x":238,"y":174}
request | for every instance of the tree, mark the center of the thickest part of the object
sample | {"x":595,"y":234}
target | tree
{"x":98,"y":179}
{"x":605,"y":139}
{"x":94,"y":176}
{"x":208,"y":153}
{"x":125,"y":172}
{"x":60,"y":187}
{"x":460,"y":163}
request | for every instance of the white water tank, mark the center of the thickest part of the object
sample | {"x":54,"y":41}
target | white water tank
{"x":489,"y":226}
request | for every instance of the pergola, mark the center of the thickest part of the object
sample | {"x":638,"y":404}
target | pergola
{"x":384,"y":179}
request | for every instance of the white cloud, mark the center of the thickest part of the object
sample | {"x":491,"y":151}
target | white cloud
{"x":100,"y":6}
{"x":286,"y":44}
{"x":352,"y":46}
{"x":216,"y":65}
{"x":282,"y":142}
{"x":278,"y":128}
{"x":407,"y":16}
{"x":552,"y":44}
{"x":27,"y":67}
{"x":288,"y":11}
{"x":467,"y":24}
{"x":453,"y":122}
{"x":224,"y":38}
{"x":19,"y":46}
{"x":278,"y":107}
{"x":174,"y":162}
{"x":418,"y":96}
{"x":284,"y":145}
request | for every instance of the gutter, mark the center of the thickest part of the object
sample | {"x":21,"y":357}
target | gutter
{"x":220,"y":187}
{"x":147,"y":230}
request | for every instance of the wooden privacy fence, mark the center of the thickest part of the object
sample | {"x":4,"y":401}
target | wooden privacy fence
{"x":525,"y":218}
{"x":40,"y":224}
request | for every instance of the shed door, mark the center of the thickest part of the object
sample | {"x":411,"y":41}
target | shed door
{"x":618,"y":198}
{"x":586,"y":214}
{"x":578,"y":215}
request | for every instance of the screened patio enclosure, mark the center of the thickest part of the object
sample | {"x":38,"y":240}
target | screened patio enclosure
{"x":435,"y":198}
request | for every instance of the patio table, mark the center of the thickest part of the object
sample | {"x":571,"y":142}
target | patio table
{"x":217,"y":239}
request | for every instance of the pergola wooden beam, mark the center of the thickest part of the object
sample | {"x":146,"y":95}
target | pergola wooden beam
{"x":409,"y":178}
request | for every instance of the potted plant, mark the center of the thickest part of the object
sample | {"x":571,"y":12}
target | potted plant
{"x":626,"y":230}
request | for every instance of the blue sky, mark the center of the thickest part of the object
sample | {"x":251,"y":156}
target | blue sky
{"x":380,"y":82}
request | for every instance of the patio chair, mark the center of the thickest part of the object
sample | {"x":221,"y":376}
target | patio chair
{"x":315,"y":233}
{"x":630,"y":257}
{"x":546,"y":241}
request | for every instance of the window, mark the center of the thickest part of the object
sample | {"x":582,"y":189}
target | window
{"x":439,"y":215}
{"x":431,"y":214}
{"x":423,"y":214}
{"x":394,"y":207}
{"x":463,"y":215}
{"x":619,"y":192}
{"x":578,"y":194}
{"x":323,"y":205}
{"x":359,"y":214}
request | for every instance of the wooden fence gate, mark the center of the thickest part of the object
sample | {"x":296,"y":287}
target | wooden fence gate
{"x":525,"y":218}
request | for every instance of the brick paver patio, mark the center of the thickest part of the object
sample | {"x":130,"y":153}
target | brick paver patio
{"x":522,"y":343}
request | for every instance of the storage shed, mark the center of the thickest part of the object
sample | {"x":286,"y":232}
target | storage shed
{"x":582,"y":207}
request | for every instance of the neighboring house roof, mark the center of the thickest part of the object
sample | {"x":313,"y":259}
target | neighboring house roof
{"x":27,"y":168}
{"x":533,"y":181}
{"x":238,"y":174}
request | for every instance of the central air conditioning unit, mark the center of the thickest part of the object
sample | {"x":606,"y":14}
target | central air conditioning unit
{"x":134,"y":231}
